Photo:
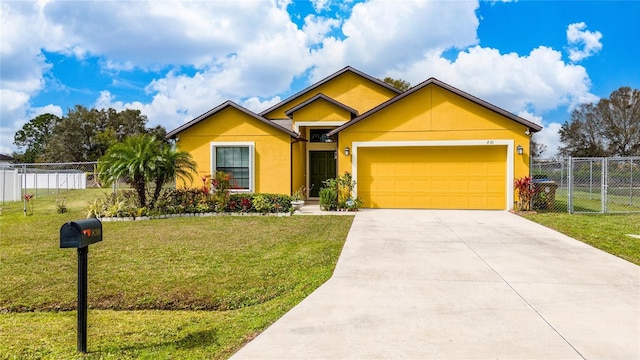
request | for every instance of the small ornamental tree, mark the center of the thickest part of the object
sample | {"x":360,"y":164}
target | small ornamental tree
{"x":142,"y":160}
{"x":526,"y":190}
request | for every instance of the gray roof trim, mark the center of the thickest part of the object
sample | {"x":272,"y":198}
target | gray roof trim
{"x":224,"y":105}
{"x":353,"y":111}
{"x":534,"y":127}
{"x":327,"y":79}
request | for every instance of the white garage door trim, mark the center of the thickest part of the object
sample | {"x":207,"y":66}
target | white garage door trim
{"x":508,"y":143}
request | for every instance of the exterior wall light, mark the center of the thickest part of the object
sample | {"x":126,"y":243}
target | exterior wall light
{"x":520,"y":150}
{"x":347,"y":151}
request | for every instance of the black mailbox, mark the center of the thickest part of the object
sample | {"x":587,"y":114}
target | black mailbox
{"x":80,"y":233}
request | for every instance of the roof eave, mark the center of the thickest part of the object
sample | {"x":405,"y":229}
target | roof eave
{"x":325,"y":80}
{"x":322,"y":96}
{"x":172,"y":134}
{"x":530,"y":125}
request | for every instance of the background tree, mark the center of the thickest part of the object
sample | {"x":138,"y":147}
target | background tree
{"x":582,"y":136}
{"x":141,"y":160}
{"x":537,"y":148}
{"x":619,"y":117}
{"x":82,"y":135}
{"x":397,"y":83}
{"x":34,"y":136}
{"x":609,"y":128}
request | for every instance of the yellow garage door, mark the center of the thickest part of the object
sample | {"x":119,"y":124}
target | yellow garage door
{"x":447,"y":177}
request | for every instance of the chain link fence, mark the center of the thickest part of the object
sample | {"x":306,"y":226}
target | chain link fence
{"x":587,"y":185}
{"x":45,"y":184}
{"x":575,"y":185}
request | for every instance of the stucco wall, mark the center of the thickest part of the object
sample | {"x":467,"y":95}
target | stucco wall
{"x":272,"y":155}
{"x":348,"y":88}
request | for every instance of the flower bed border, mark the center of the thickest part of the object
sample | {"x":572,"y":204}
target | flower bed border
{"x":171,"y":216}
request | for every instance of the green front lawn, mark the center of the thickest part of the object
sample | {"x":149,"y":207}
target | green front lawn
{"x":605,"y":232}
{"x":175,"y":288}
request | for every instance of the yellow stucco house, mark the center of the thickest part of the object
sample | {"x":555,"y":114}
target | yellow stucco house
{"x":432,"y":146}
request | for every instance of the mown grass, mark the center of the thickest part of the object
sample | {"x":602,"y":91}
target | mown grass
{"x":605,"y":232}
{"x":174,"y":288}
{"x":619,"y":200}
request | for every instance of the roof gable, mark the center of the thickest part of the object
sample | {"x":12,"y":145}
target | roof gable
{"x":226,"y":104}
{"x":301,"y":94}
{"x":321,"y":96}
{"x":433,"y":81}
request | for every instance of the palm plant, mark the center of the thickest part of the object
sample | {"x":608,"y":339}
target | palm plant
{"x":172,"y":164}
{"x":141,"y":160}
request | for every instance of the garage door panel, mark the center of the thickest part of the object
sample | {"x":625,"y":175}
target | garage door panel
{"x":404,"y":170}
{"x":478,"y":185}
{"x":420,"y":186}
{"x":466,"y":177}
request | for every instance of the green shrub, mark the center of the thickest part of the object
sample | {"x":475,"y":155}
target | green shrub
{"x":271,"y":203}
{"x":328,"y":198}
{"x":262,"y":204}
{"x":120,"y":204}
{"x":220,"y":185}
{"x":337,"y":194}
{"x":179,"y":201}
{"x":61,"y":206}
{"x":241,"y":202}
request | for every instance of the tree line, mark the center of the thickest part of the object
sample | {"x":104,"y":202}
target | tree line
{"x":80,"y":136}
{"x":609,"y":127}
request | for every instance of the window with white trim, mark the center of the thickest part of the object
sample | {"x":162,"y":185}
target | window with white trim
{"x":235,"y":159}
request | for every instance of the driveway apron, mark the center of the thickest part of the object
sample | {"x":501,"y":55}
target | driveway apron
{"x":423,"y":284}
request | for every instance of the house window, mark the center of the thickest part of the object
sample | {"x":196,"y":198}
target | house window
{"x":235,"y":159}
{"x":319,"y":135}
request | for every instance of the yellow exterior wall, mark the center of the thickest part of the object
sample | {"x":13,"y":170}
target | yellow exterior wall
{"x":321,"y":110}
{"x":348,"y":88}
{"x":272,"y":155}
{"x":433,"y":114}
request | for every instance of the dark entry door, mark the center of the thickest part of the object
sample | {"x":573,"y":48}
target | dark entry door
{"x":322,"y":166}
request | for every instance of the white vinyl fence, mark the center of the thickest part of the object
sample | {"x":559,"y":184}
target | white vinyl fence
{"x":57,"y":180}
{"x":16,"y":180}
{"x":10,"y":184}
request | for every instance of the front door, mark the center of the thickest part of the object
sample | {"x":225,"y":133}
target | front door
{"x":322,"y":166}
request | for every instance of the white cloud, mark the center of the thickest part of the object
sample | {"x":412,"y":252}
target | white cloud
{"x":257,"y":105}
{"x":537,"y":82}
{"x":385,"y":35}
{"x":582,"y":42}
{"x":550,"y":137}
{"x":531,"y":117}
{"x":317,"y":27}
{"x":251,"y":51}
{"x":320,"y":5}
{"x":236,"y":48}
{"x":148,"y":34}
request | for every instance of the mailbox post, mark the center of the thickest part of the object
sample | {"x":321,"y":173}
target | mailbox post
{"x":80,"y":234}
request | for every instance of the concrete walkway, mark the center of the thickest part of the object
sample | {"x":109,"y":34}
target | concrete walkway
{"x":423,"y":284}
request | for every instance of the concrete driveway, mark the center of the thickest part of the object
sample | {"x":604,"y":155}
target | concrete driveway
{"x":424,"y":284}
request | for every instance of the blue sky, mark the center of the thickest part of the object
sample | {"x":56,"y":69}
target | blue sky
{"x":176,"y":60}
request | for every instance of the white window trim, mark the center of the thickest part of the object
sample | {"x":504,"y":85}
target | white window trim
{"x":488,"y":142}
{"x":252,"y":167}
